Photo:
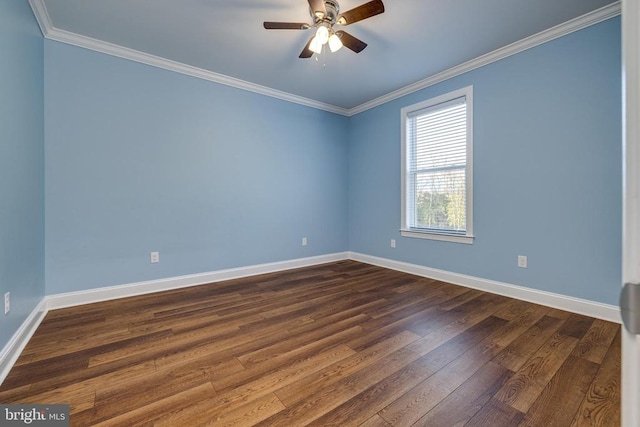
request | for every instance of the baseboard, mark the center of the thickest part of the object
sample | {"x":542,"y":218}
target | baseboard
{"x":71,"y":299}
{"x":20,"y":339}
{"x":562,"y":302}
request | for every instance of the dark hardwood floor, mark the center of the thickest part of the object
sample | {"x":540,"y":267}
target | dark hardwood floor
{"x":341,"y":344}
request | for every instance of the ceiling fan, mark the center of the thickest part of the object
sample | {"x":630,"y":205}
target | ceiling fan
{"x":325,"y":14}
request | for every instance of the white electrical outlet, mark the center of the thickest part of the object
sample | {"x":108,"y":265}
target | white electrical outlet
{"x":522,"y":261}
{"x":393,"y":243}
{"x":7,"y":302}
{"x":155,"y":257}
{"x":304,"y":241}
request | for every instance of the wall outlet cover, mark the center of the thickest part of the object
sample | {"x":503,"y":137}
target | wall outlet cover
{"x":522,"y":261}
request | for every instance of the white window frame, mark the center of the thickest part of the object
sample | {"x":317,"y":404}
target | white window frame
{"x":405,"y":229}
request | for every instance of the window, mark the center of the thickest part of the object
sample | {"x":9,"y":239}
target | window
{"x":437,"y":155}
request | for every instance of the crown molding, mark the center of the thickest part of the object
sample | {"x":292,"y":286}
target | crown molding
{"x":63,"y":36}
{"x":52,"y":33}
{"x":576,"y":24}
{"x":42,"y":16}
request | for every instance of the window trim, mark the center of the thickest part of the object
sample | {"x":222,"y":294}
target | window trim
{"x":405,"y":112}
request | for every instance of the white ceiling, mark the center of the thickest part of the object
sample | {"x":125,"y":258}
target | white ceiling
{"x":411,"y":41}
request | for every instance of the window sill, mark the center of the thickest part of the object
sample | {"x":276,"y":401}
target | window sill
{"x":467,"y":240}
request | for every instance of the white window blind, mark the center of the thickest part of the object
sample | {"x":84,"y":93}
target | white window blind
{"x":437,"y":165}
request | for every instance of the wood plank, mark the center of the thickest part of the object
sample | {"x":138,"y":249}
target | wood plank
{"x":155,"y":410}
{"x":73,"y":395}
{"x":166,"y":345}
{"x":372,"y":400}
{"x":85,"y":340}
{"x":321,"y":337}
{"x":234,"y":398}
{"x":462,"y":405}
{"x":515,"y":308}
{"x":495,"y":414}
{"x":463,"y":321}
{"x":330,"y":375}
{"x":323,"y":400}
{"x":448,"y":351}
{"x":601,"y":405}
{"x":289,"y":358}
{"x":76,"y":392}
{"x":414,"y":404}
{"x":524,"y":387}
{"x":222,"y":349}
{"x":576,"y":326}
{"x":560,"y":399}
{"x":127,"y":396}
{"x":516,"y":354}
{"x":461,"y":299}
{"x":245,"y":415}
{"x":597,"y":340}
{"x":8,"y":395}
{"x":375,"y":421}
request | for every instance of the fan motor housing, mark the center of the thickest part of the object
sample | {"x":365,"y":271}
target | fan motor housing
{"x":333,"y":9}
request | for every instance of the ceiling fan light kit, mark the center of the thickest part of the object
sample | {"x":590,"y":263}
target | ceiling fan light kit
{"x":324,"y":36}
{"x":325,"y":14}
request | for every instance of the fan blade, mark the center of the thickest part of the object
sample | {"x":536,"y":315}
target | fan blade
{"x":317,"y":6}
{"x":351,"y":42}
{"x":364,"y":11}
{"x":286,"y":26}
{"x":306,"y":52}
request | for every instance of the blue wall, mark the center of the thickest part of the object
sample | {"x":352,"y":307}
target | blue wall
{"x":547,"y":170}
{"x":140,"y":159}
{"x":21,"y":165}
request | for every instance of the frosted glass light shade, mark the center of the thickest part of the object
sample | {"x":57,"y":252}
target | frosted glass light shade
{"x":322,"y":35}
{"x":315,"y":46}
{"x":335,"y":44}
